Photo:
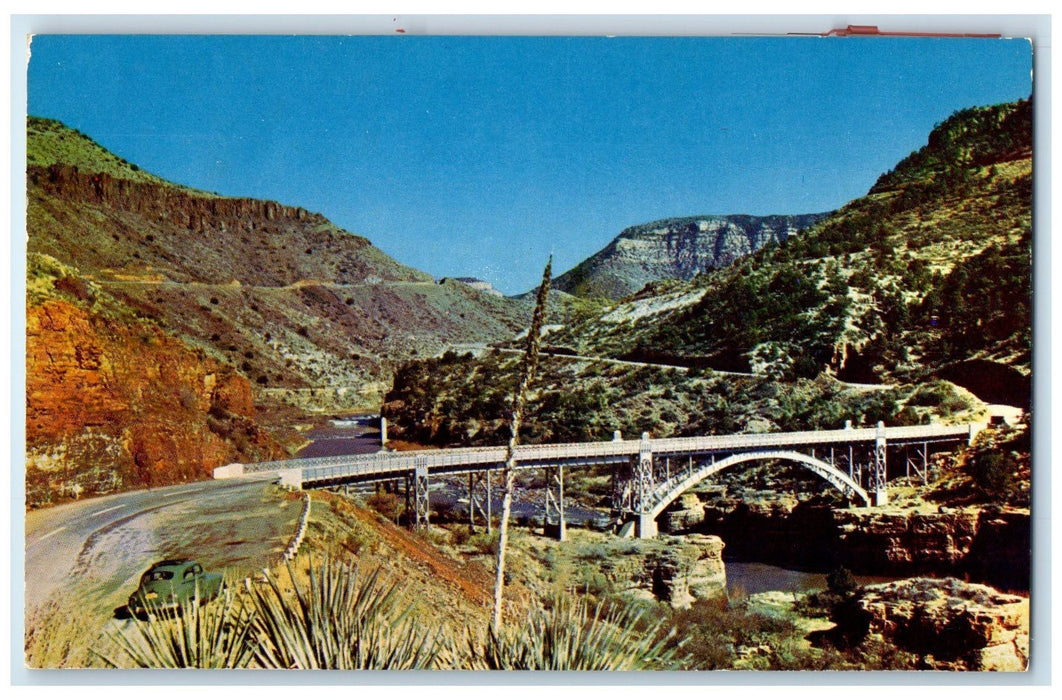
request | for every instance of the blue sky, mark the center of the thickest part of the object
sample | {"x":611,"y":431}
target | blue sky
{"x":481,"y":156}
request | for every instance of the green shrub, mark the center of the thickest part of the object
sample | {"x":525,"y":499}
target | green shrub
{"x":460,"y":535}
{"x":713,"y":630}
{"x":386,"y":504}
{"x":841,"y":582}
{"x":484,"y":543}
{"x":993,"y":472}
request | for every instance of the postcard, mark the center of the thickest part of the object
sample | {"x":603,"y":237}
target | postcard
{"x":430,"y":352}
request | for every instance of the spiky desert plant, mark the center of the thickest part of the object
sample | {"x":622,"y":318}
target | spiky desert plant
{"x":528,"y":368}
{"x":573,"y":636}
{"x":205,"y":635}
{"x":342,"y":620}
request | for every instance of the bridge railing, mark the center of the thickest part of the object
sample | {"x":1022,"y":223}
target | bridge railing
{"x":712,"y":443}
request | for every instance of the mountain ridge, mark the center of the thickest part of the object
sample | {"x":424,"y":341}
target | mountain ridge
{"x":676,"y":248}
{"x":874,"y":284}
{"x":297,"y":316}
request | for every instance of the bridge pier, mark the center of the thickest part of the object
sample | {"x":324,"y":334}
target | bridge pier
{"x":646,"y":526}
{"x":420,"y":494}
{"x":881,"y":496}
{"x":643,"y":485}
{"x":920,"y":470}
{"x":555,"y":501}
{"x":479,"y":497}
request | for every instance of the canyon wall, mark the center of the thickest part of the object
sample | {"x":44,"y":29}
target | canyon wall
{"x":112,"y":403}
{"x":986,"y":543}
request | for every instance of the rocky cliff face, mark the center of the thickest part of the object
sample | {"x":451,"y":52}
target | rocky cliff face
{"x":121,"y":229}
{"x":675,"y":249}
{"x":987,"y":543}
{"x":952,"y":625}
{"x":112,"y":404}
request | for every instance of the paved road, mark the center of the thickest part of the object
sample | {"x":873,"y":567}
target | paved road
{"x":95,"y":550}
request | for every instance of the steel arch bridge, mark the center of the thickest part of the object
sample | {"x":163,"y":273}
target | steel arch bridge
{"x":667,"y":491}
{"x":648,"y":474}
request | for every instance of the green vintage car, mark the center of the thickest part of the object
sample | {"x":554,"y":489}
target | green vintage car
{"x":170,"y":585}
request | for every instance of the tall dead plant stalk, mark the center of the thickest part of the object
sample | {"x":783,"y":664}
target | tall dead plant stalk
{"x":527,"y":375}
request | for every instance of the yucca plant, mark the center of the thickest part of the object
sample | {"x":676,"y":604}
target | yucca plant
{"x":577,"y":637}
{"x":202,"y":635}
{"x":342,"y":620}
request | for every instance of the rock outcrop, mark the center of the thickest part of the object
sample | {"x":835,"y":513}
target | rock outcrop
{"x":686,"y":512}
{"x":674,"y":570}
{"x":951,"y":625}
{"x":986,"y":543}
{"x":112,"y":403}
{"x":894,"y":540}
{"x":675,"y":249}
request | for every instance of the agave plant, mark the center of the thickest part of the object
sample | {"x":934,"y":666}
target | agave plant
{"x":576,"y":637}
{"x":341,"y":621}
{"x":204,"y":635}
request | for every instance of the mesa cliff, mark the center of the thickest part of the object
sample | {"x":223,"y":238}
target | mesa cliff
{"x":170,"y":330}
{"x":679,"y":248}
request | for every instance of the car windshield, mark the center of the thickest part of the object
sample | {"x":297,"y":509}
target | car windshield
{"x":158,"y":575}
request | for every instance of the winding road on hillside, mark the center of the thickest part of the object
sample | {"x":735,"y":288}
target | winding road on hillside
{"x":91,"y":553}
{"x":479,"y":348}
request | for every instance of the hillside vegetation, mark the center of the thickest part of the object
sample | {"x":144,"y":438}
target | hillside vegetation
{"x":931,"y":268}
{"x":925,"y":279}
{"x":462,"y":400}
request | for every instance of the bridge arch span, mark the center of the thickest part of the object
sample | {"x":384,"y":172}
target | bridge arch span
{"x":838,"y":479}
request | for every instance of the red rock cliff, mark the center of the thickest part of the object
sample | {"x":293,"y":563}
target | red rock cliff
{"x":117,"y":404}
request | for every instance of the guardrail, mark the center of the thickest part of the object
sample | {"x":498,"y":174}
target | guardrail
{"x":300,"y":531}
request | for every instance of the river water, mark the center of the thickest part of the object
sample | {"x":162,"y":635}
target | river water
{"x":749,"y":577}
{"x":354,"y":436}
{"x":361,"y":435}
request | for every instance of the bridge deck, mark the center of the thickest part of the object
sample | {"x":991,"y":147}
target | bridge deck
{"x":393,"y":464}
